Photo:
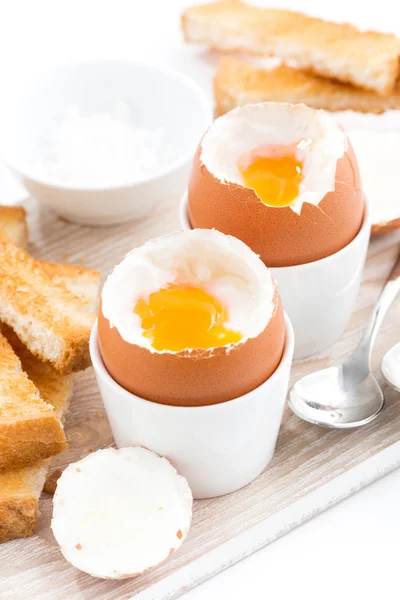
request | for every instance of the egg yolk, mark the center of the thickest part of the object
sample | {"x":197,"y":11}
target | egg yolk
{"x":275,"y":180}
{"x":181,"y":316}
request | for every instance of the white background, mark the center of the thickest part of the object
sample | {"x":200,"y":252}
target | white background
{"x":353,"y":549}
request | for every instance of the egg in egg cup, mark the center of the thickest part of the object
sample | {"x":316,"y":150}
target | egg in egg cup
{"x":284,"y":179}
{"x":192,"y":354}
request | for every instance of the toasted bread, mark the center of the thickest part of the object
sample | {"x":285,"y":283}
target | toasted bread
{"x":20,"y":489}
{"x":53,"y":387}
{"x":239,"y":82}
{"x":79,"y":280}
{"x":19,"y":494}
{"x":29,"y":427}
{"x":53,"y":323}
{"x":13,"y":225}
{"x":50,"y":485}
{"x":340,"y":51}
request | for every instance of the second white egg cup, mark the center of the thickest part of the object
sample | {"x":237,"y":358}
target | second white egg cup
{"x":319,"y":296}
{"x":218,"y":448}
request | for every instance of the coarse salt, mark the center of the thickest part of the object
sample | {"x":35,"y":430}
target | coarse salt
{"x":99,"y":150}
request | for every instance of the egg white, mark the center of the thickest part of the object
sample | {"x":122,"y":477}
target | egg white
{"x":220,"y":264}
{"x":107,"y":518}
{"x":245,"y":130}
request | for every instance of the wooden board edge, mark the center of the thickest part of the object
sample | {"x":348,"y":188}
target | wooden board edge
{"x":262,"y":534}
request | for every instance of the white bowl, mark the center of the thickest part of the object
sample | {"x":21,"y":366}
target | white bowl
{"x":318,"y":297}
{"x":218,"y":448}
{"x":158,"y":98}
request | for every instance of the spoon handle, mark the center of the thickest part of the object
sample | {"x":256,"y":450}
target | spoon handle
{"x":362,"y":354}
{"x":388,"y":294}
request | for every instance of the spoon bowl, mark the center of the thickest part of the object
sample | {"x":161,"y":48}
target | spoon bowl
{"x":329,"y":399}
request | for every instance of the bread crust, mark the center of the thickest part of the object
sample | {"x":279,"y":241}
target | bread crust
{"x":52,"y":322}
{"x":17,"y":517}
{"x":238,"y":82}
{"x":366,"y":59}
{"x":13,"y":225}
{"x":20,"y":489}
{"x":50,"y":485}
{"x":29,"y":427}
{"x":78,"y":279}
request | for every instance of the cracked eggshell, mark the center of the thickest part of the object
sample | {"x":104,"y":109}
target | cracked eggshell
{"x":119,"y":513}
{"x":279,"y":235}
{"x":193,"y":377}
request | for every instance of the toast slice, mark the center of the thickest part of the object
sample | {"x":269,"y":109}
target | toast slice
{"x":53,"y":388}
{"x":53,"y":323}
{"x":19,"y":494}
{"x":13,"y":225}
{"x":79,"y":280}
{"x":239,"y":82}
{"x":340,"y":51}
{"x":20,"y":489}
{"x":29,"y":427}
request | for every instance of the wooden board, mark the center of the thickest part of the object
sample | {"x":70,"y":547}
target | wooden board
{"x":312,"y":467}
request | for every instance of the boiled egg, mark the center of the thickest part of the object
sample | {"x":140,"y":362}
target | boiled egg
{"x":282,"y":178}
{"x":193,"y":318}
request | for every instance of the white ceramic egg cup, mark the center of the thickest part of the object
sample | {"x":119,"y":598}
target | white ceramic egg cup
{"x":319,"y":296}
{"x":218,"y":448}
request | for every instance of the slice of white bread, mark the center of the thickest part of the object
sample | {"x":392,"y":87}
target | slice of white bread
{"x":13,"y":224}
{"x":79,"y":280}
{"x":19,"y":494}
{"x":53,"y":323}
{"x":20,"y":489}
{"x":239,"y":82}
{"x":53,"y":387}
{"x":367,"y":59}
{"x":29,"y":428}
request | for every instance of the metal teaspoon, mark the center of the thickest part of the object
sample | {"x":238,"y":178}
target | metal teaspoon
{"x":347,"y":395}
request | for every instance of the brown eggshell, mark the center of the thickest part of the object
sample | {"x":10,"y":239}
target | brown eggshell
{"x":280,"y":236}
{"x":197,"y":378}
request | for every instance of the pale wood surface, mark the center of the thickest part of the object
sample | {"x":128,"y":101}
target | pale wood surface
{"x":306,"y":458}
